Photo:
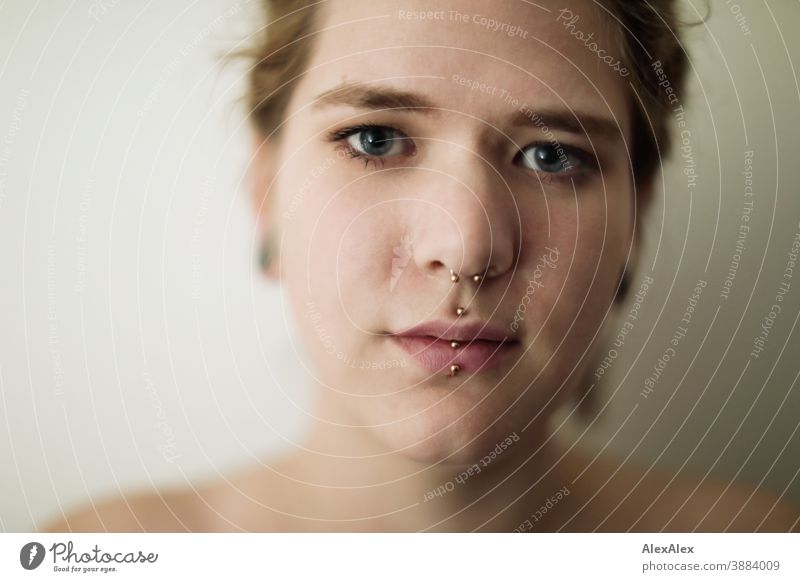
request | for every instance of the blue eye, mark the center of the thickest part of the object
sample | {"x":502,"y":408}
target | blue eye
{"x":550,"y":158}
{"x":373,"y":143}
{"x":552,"y":162}
{"x":377,"y":141}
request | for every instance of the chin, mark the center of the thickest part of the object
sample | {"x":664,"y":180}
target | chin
{"x":453,"y":429}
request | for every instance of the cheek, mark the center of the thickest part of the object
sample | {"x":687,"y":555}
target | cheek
{"x":341,"y":251}
{"x":577,"y":265}
{"x":593,"y":234}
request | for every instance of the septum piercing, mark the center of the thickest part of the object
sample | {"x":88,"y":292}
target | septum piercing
{"x":455,"y":277}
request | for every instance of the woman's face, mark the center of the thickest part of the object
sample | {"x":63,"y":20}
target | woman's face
{"x":495,"y":143}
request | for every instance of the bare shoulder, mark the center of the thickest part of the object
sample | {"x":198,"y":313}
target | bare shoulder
{"x":628,"y":496}
{"x":716,"y":506}
{"x":240,"y":501}
{"x":171,"y":510}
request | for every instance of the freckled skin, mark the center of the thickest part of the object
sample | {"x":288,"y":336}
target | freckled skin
{"x":366,"y":250}
{"x":463,"y":199}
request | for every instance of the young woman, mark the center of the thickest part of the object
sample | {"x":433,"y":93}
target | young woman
{"x":451,"y":196}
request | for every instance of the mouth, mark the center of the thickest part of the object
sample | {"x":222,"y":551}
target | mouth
{"x":475,"y":347}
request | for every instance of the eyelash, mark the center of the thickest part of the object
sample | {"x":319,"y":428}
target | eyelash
{"x":343,"y":134}
{"x":585,"y":159}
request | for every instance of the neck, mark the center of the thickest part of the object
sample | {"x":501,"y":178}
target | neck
{"x":347,"y":480}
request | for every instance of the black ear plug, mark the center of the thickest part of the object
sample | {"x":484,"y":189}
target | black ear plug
{"x":623,"y":286}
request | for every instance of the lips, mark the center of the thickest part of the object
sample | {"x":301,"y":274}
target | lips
{"x":480,"y":346}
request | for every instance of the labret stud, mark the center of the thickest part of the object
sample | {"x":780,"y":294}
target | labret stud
{"x":477,"y":278}
{"x":454,"y":276}
{"x":454,"y":369}
{"x":461,"y":310}
{"x":455,"y":344}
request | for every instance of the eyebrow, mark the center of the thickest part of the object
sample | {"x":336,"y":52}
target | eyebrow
{"x":376,"y":97}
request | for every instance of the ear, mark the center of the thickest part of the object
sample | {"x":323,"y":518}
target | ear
{"x":643,"y":195}
{"x":262,"y":174}
{"x":640,"y":204}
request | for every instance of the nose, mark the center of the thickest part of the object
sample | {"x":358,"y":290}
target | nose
{"x":468,"y":223}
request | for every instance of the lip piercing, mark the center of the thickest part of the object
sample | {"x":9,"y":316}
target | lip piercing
{"x":455,"y":344}
{"x":454,"y":276}
{"x":461,"y":310}
{"x":477,"y":278}
{"x":454,"y":369}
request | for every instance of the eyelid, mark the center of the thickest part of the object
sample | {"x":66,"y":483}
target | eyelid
{"x":583,"y":156}
{"x":346,"y":132}
{"x":588,"y":163}
{"x":343,"y":135}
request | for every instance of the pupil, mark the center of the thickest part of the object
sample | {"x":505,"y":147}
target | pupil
{"x":546,"y":156}
{"x":376,"y":141}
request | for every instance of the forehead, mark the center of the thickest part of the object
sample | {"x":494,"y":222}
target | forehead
{"x":480,"y":58}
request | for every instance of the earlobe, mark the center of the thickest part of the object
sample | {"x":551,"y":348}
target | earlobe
{"x":262,"y":193}
{"x":268,"y":258}
{"x":261,"y":176}
{"x":628,"y":268}
{"x":640,"y":202}
{"x":623,"y":285}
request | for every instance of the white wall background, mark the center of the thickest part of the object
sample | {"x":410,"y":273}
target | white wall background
{"x":139,"y":346}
